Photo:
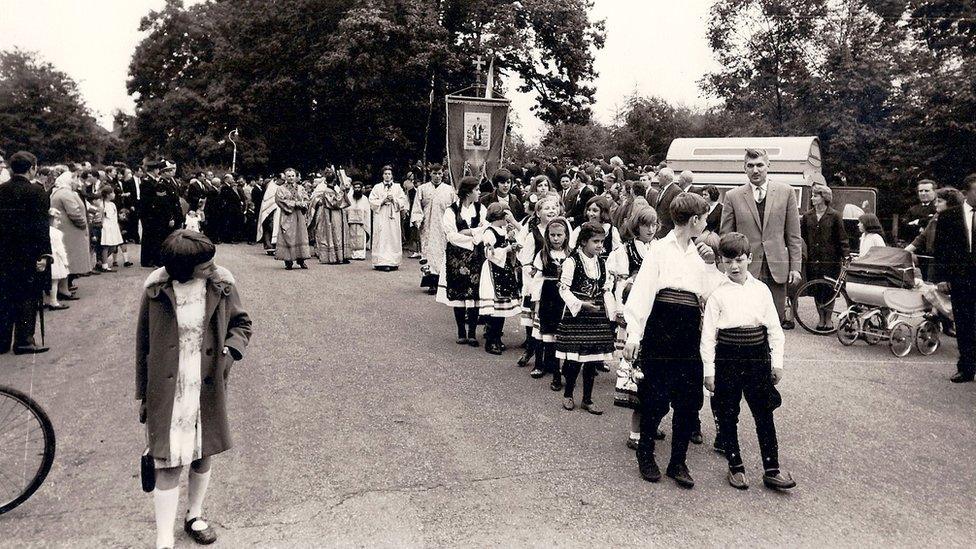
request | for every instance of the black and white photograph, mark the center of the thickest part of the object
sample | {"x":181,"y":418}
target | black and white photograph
{"x":487,"y":273}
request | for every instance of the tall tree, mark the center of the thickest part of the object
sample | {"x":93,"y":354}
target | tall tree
{"x":354,"y":82}
{"x":42,"y":111}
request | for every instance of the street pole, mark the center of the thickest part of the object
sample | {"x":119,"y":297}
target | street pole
{"x":233,"y":162}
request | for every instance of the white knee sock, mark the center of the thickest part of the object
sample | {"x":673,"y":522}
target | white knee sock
{"x":198,"y":483}
{"x":166,"y":503}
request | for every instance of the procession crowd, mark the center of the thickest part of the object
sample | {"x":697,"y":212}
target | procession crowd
{"x":679,"y":287}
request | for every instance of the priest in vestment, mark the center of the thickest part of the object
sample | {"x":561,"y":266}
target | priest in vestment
{"x":432,"y":199}
{"x":292,"y":245}
{"x":359,"y":215}
{"x":269,"y":218}
{"x":330,"y":220}
{"x":388,"y":202}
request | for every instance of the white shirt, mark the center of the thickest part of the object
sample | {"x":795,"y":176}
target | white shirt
{"x":449,"y":224}
{"x":615,"y":241}
{"x":667,"y":265}
{"x":870,"y":240}
{"x":618,"y":264}
{"x":967,"y":217}
{"x":591,"y":266}
{"x":747,"y":305}
{"x":537,"y":278}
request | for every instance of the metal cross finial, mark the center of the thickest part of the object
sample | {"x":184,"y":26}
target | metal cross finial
{"x":479,"y":63}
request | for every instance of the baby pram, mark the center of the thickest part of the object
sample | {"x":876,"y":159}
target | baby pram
{"x":886,"y":305}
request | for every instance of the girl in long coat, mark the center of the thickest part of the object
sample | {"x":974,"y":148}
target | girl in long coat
{"x":191,"y":330}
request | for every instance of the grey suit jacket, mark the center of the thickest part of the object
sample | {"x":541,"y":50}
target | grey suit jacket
{"x":778,"y":240}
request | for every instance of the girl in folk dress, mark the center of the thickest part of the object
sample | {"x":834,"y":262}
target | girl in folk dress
{"x":531,"y":241}
{"x":499,"y":286}
{"x":549,"y":305}
{"x":111,"y":237}
{"x":623,"y":264}
{"x":464,"y":225}
{"x":585,"y":337}
{"x":598,"y":212}
{"x":59,"y":264}
{"x":191,"y":330}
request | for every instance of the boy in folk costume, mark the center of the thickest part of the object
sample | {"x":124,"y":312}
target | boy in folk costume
{"x":742,"y":354}
{"x":663,"y":314}
{"x":499,"y":286}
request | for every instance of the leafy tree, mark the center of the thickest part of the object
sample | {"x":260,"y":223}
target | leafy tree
{"x":41,"y":111}
{"x":311,"y":81}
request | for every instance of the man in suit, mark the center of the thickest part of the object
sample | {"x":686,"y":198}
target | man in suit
{"x":575,"y":199}
{"x":502,"y":181}
{"x":920,"y":214}
{"x":955,"y":273}
{"x":669,"y":190}
{"x":24,"y":242}
{"x":766,"y":212}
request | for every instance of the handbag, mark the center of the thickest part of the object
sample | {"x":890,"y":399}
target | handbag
{"x":147,"y":468}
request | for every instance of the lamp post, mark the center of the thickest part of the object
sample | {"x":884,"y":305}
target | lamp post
{"x":233,"y":162}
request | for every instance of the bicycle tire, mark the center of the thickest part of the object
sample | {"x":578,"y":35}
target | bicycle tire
{"x":50,"y":446}
{"x":805,"y":308}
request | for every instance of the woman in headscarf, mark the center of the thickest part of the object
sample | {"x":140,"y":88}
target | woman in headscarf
{"x":74,"y":225}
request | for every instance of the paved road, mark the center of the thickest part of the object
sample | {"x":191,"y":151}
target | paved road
{"x":359,"y":422}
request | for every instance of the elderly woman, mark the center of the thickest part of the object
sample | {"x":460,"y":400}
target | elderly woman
{"x":822,"y":230}
{"x":191,"y":329}
{"x":74,"y":224}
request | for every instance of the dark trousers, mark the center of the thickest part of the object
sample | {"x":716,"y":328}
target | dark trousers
{"x":18,"y":318}
{"x":466,"y":319}
{"x":493,"y":328}
{"x":671,"y":362}
{"x":571,"y":372}
{"x":964,"y":313}
{"x":745,"y":371}
{"x":778,"y":290}
{"x":267,"y":234}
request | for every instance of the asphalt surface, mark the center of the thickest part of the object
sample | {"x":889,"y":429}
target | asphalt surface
{"x":359,"y":422}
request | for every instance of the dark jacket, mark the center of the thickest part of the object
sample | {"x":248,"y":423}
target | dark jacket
{"x":575,"y":204}
{"x":713,"y":222}
{"x":663,"y":207}
{"x":825,"y":241}
{"x":954,"y":263}
{"x":158,"y":357}
{"x":518,"y":210}
{"x":24,"y":237}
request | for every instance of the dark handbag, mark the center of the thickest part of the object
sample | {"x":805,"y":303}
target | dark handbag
{"x":147,"y":469}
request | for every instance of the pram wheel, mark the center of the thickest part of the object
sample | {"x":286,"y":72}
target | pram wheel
{"x":927,"y":337}
{"x":847,"y":329}
{"x":901,"y":338}
{"x":873,"y":328}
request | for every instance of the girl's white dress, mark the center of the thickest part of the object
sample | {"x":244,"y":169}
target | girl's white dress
{"x":59,"y":267}
{"x":185,"y":440}
{"x":111,"y":232}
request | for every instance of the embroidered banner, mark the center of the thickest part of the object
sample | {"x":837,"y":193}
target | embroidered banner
{"x":476,"y":130}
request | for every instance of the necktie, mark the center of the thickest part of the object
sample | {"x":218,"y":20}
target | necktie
{"x":761,"y":194}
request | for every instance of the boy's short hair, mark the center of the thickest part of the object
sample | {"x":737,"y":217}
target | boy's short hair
{"x":733,"y":245}
{"x":687,"y":205}
{"x":105,"y":191}
{"x":589,"y":230}
{"x":21,"y":162}
{"x":183,"y":250}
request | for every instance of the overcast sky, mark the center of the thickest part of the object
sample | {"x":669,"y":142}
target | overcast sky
{"x":654,"y":47}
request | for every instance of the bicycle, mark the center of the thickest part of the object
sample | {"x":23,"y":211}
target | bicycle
{"x":27,"y":447}
{"x":826,"y":295}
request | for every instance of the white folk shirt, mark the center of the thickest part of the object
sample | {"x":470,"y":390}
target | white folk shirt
{"x":591,"y":266}
{"x":747,"y":305}
{"x":667,"y":265}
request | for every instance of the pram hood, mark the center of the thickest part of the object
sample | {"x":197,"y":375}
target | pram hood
{"x":883,"y":266}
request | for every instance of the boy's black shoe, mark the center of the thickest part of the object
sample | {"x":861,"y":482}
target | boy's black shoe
{"x":493,"y":348}
{"x":523,"y":360}
{"x":778,"y":480}
{"x":649,"y":470}
{"x":633,"y":443}
{"x":718,"y":447}
{"x":127,"y":264}
{"x":659,"y":435}
{"x":697,"y":438}
{"x":536,"y":373}
{"x":556,"y":385}
{"x":961,"y":377}
{"x":737,"y":480}
{"x":681,"y":475}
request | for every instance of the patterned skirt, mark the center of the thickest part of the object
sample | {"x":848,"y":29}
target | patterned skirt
{"x":548,"y":312}
{"x":500,"y":295}
{"x":586,"y":337}
{"x":458,"y":285}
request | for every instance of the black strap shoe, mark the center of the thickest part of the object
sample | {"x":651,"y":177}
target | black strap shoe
{"x":203,"y":537}
{"x":697,"y":438}
{"x":961,"y":377}
{"x":681,"y":475}
{"x":30,"y":350}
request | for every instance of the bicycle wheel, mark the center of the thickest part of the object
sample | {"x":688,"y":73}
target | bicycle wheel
{"x":816,"y":296}
{"x":26,"y":447}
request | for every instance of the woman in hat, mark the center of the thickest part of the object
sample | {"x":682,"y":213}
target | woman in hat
{"x":191,"y":330}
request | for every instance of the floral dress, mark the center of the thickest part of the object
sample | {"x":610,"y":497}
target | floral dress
{"x":185,"y":440}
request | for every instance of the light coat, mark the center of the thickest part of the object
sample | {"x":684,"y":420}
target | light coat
{"x":778,"y":240}
{"x":158,"y":357}
{"x":74,"y":225}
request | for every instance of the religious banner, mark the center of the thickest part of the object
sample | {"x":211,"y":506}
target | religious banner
{"x":475,"y":135}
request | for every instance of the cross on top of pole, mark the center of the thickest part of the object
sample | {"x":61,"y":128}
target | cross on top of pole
{"x":478,"y":63}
